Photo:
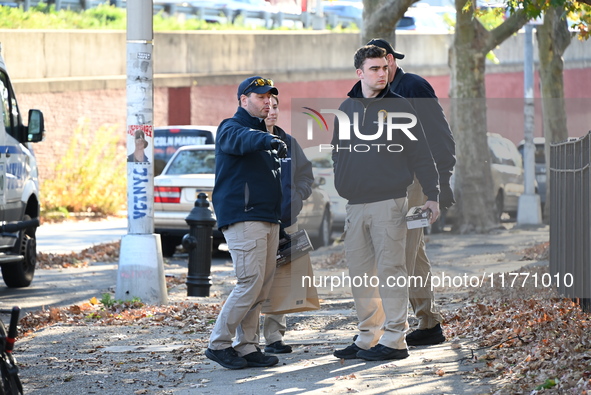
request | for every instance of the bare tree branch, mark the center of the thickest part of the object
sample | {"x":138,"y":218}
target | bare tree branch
{"x":505,"y":30}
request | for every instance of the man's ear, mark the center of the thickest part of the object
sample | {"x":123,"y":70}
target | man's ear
{"x":359,"y":73}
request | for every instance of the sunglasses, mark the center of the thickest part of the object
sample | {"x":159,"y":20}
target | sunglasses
{"x":258,"y":82}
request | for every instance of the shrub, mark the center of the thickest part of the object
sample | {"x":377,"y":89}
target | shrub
{"x":91,"y":176}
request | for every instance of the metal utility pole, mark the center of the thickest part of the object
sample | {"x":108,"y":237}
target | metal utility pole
{"x":529,"y":211}
{"x":141,"y":267}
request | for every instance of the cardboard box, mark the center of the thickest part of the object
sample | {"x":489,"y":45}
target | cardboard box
{"x":287,"y":294}
{"x":417,"y":218}
{"x":297,"y":246}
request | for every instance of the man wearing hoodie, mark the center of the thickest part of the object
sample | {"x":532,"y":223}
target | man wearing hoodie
{"x":422,"y":96}
{"x":373,"y":171}
{"x":247,"y":202}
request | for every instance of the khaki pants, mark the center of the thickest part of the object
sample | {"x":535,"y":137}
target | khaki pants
{"x":274,"y":325}
{"x":375,"y":239}
{"x":253,"y":246}
{"x":418,"y":265}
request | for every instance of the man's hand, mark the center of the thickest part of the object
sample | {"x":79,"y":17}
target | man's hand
{"x":434,"y":207}
{"x":446,"y":197}
{"x":283,"y":235}
{"x":279,"y":146}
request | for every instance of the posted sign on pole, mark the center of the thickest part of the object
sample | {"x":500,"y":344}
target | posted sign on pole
{"x":141,"y":267}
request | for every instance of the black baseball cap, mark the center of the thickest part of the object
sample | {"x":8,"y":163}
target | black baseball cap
{"x":256,"y":84}
{"x":380,"y":42}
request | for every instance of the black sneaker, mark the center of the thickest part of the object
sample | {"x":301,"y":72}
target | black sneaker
{"x":379,"y":352}
{"x":350,"y":352}
{"x":279,"y":347}
{"x":426,"y":337}
{"x":258,"y":359}
{"x":228,"y":358}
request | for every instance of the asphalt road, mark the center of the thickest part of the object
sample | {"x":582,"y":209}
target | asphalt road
{"x":67,"y":286}
{"x":74,"y":236}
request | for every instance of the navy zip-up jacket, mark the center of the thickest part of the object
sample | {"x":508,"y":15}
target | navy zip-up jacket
{"x":247,"y":173}
{"x":373,"y":176}
{"x":296,"y":178}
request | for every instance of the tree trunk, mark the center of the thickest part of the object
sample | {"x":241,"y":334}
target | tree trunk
{"x":553,"y":39}
{"x":473,"y":182}
{"x":380,"y":19}
{"x":472,"y":172}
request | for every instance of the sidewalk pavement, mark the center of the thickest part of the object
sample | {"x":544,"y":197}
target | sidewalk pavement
{"x":151,"y":359}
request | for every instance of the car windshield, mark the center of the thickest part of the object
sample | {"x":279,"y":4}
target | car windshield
{"x":193,"y":162}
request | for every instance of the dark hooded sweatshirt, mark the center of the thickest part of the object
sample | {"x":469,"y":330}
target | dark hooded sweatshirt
{"x":296,"y":178}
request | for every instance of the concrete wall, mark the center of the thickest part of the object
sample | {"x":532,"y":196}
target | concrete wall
{"x":74,"y":75}
{"x":210,"y":58}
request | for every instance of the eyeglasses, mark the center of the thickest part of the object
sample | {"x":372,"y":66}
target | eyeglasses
{"x":258,"y":82}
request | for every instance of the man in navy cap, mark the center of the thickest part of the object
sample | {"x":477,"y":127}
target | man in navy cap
{"x":247,"y":202}
{"x":421,"y":95}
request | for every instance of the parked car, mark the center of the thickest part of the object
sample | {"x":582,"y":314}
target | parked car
{"x":211,"y":14}
{"x":322,"y":167}
{"x":426,"y":19}
{"x":191,"y":171}
{"x":348,"y":11}
{"x":540,"y":165}
{"x":234,"y":9}
{"x":167,"y":139}
{"x":19,"y":187}
{"x":507,"y":175}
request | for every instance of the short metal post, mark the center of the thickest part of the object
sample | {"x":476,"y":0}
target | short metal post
{"x":199,"y":244}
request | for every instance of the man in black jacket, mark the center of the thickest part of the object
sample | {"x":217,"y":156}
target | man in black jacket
{"x":439,"y":136}
{"x":373,"y":171}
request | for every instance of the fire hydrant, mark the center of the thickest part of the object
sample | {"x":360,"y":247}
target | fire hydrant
{"x":199,"y":243}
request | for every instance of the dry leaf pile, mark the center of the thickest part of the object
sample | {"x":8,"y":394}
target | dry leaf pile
{"x":108,"y":252}
{"x":539,"y":252}
{"x":532,"y":340}
{"x":190,"y":317}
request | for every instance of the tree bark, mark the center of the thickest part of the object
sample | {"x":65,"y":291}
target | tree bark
{"x":553,"y":38}
{"x":473,"y":179}
{"x":380,"y":19}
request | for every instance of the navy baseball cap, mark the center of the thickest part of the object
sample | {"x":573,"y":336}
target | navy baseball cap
{"x":380,"y":42}
{"x":256,"y":84}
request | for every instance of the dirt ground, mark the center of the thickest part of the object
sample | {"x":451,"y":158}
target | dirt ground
{"x":162,"y":352}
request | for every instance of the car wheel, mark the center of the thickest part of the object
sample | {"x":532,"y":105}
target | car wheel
{"x":21,"y":274}
{"x":324,"y":231}
{"x":499,"y":205}
{"x":169,"y":245}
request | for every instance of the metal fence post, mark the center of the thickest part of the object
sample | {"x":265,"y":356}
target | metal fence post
{"x":570,"y":218}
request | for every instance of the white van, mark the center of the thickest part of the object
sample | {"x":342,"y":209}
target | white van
{"x":19,"y":187}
